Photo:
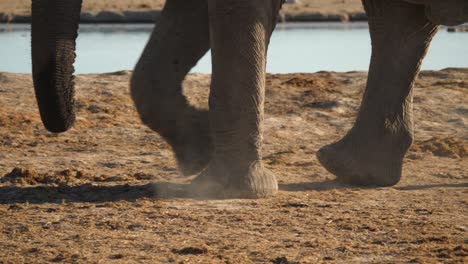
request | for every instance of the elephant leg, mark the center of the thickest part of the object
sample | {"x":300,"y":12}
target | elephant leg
{"x":448,"y":12}
{"x":179,"y":40}
{"x":240,"y":31}
{"x":372,"y":151}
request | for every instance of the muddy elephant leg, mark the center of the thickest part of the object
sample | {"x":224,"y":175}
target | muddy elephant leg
{"x":240,"y":31}
{"x":372,"y":152}
{"x":179,"y":40}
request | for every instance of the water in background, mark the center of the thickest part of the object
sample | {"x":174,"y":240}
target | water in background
{"x":295,"y":47}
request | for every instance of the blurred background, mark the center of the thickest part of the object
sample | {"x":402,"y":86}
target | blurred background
{"x":313,"y":35}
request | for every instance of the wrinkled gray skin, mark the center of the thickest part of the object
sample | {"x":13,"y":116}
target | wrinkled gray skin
{"x":223,"y":145}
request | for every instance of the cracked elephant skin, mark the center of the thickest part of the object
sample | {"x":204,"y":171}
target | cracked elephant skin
{"x":223,"y":145}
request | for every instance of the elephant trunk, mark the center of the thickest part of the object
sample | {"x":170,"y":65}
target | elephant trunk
{"x":53,"y":33}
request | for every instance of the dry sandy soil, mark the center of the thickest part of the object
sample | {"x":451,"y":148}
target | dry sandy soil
{"x":108,"y":190}
{"x":326,"y":7}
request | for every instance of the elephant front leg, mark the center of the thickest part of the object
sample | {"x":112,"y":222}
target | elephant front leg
{"x":179,"y":40}
{"x":240,"y":33}
{"x":372,"y":152}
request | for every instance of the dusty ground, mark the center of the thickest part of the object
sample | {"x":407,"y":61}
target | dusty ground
{"x":108,"y":190}
{"x":303,"y":7}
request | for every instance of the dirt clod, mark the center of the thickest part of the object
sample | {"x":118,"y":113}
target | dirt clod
{"x":443,"y":147}
{"x":191,"y":251}
{"x":283,"y":260}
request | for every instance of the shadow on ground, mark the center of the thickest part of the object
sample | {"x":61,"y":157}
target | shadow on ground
{"x":161,"y":190}
{"x":124,"y":192}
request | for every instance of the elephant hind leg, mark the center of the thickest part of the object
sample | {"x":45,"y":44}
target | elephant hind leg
{"x":179,"y":40}
{"x":447,"y":12}
{"x":372,"y":152}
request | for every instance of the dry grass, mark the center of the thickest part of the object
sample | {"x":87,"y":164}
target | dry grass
{"x":305,"y":6}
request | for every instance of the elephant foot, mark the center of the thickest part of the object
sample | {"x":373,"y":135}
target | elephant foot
{"x":193,"y":148}
{"x":216,"y":181}
{"x":364,"y":164}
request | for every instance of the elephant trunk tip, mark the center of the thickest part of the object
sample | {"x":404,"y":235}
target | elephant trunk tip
{"x":55,"y":98}
{"x":59,"y":126}
{"x":57,"y":121}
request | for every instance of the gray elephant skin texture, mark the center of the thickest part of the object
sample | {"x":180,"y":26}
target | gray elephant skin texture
{"x":223,"y":145}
